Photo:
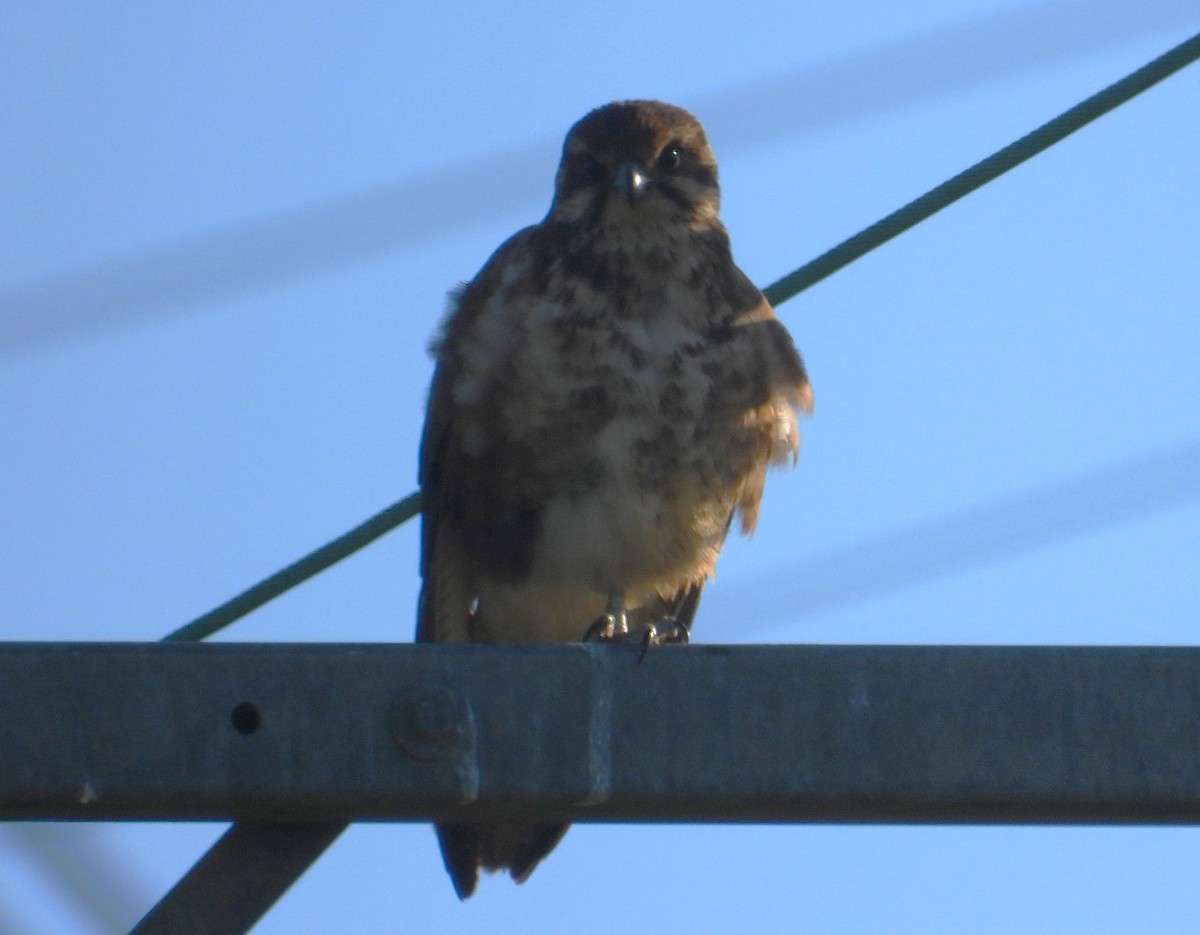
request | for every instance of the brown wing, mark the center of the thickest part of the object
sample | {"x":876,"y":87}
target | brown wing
{"x":443,"y":610}
{"x":464,"y":515}
{"x":779,"y":389}
{"x":465,"y":519}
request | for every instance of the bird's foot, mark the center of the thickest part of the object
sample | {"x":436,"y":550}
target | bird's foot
{"x":667,"y":630}
{"x":611,"y":627}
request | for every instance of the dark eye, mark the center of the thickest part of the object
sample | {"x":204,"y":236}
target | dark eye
{"x":670,"y":158}
{"x":589,"y":168}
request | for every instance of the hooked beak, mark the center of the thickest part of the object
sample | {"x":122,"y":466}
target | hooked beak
{"x":631,"y":181}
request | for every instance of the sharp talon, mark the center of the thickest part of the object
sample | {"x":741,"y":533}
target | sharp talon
{"x":680,"y":634}
{"x":647,"y":641}
{"x":668,"y":630}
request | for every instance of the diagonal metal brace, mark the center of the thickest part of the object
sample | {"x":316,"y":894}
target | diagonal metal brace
{"x":239,"y":879}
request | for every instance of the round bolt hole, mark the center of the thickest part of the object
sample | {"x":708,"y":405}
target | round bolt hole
{"x":246,"y":717}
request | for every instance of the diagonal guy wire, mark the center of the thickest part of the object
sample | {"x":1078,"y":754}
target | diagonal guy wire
{"x":299,"y":571}
{"x":777,"y":293}
{"x":984,"y":171}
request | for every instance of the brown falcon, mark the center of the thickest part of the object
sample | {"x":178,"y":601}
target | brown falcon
{"x":610,"y":390}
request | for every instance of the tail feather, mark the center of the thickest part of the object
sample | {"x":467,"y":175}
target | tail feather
{"x":460,"y":853}
{"x":516,"y":848}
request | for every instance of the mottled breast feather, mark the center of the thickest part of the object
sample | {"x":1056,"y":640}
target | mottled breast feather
{"x":556,"y":342}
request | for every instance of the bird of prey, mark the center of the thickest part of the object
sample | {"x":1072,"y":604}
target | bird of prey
{"x":609,"y":392}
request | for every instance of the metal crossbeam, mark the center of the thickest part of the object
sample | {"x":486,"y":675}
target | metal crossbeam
{"x":335,"y":733}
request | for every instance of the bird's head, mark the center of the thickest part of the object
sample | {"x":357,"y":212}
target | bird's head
{"x":634,"y":164}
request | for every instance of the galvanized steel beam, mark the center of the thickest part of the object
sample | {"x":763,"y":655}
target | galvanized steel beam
{"x":335,"y":733}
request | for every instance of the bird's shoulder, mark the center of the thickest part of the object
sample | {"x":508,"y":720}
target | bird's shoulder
{"x":513,"y":263}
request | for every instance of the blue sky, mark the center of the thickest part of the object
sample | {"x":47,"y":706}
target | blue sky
{"x":228,"y":231}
